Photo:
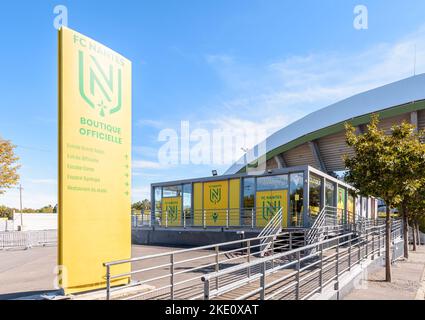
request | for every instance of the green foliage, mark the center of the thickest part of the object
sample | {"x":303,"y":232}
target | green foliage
{"x":8,"y":166}
{"x":141,"y":205}
{"x":372,"y":168}
{"x":391,"y":167}
{"x":6,"y":212}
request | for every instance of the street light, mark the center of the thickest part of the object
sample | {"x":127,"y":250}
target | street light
{"x":20,"y":204}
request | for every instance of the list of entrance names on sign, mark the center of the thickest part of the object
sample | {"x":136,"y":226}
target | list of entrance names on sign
{"x":82,"y":174}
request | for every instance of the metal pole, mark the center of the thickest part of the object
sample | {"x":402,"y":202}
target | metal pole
{"x":321,"y":268}
{"x":337,"y":264}
{"x":349,"y":253}
{"x":373,"y":246}
{"x":252,"y":218}
{"x":204,"y":219}
{"x":297,"y":288}
{"x":20,"y":205}
{"x":290,"y":241}
{"x":367,"y":244}
{"x":263,"y":281}
{"x":360,"y":249}
{"x":249,"y":258}
{"x":217,"y":266}
{"x":206,"y":289}
{"x":108,"y":282}
{"x":172,"y":276}
{"x":184,"y":219}
{"x":227,"y":218}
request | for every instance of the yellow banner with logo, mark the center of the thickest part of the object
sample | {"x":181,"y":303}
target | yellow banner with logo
{"x":171,"y":211}
{"x":216,"y":203}
{"x":94,"y":162}
{"x":268,"y":204}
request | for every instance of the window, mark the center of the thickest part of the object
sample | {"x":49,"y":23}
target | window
{"x":172,"y":191}
{"x":248,"y":192}
{"x":272,"y":183}
{"x":158,"y":198}
{"x":296,"y":195}
{"x":351,"y":209}
{"x":187,"y":202}
{"x":341,"y":205}
{"x":315,"y":195}
{"x":364,"y":207}
{"x":330,"y":194}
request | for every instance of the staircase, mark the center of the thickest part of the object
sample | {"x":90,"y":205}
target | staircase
{"x":270,"y":232}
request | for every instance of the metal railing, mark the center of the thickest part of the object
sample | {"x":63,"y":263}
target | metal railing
{"x":141,"y":220}
{"x":301,"y":276}
{"x":27,"y":239}
{"x":243,"y":218}
{"x":177,"y":274}
{"x":270,"y":232}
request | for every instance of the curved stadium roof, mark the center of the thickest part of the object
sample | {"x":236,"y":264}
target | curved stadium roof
{"x":390,"y":101}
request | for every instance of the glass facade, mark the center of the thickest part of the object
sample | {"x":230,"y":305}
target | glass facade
{"x":172,"y":191}
{"x":341,"y":205}
{"x":187,"y":202}
{"x":315,"y":195}
{"x":158,"y":197}
{"x":351,"y":207}
{"x":248,"y":192}
{"x":272,"y":183}
{"x":296,"y":199}
{"x":330,"y":194}
{"x":246,"y":199}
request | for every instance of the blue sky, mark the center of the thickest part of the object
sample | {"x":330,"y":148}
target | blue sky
{"x":256,"y":64}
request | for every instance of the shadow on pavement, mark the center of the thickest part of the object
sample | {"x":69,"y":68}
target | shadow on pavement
{"x":28,"y":295}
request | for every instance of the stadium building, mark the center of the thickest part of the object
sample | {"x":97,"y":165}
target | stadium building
{"x":291,"y":173}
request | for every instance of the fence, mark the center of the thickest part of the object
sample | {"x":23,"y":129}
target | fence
{"x":303,"y":275}
{"x":238,"y":265}
{"x":177,"y":274}
{"x":27,"y":239}
{"x":244,"y":218}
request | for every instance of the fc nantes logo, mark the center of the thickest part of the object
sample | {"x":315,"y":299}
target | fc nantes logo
{"x":100,"y":85}
{"x":215,"y":195}
{"x":269,"y":209}
{"x":172,"y":213}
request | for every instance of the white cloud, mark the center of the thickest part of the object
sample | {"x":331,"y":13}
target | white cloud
{"x":272,"y":95}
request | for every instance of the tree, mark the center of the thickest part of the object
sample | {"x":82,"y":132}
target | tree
{"x":6,"y":212}
{"x":8,"y":166}
{"x":371,"y":170}
{"x":415,"y":212}
{"x":409,"y":164}
{"x":141,"y":205}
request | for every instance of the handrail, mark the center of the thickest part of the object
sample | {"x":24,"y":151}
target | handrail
{"x":206,"y":247}
{"x":267,"y":259}
{"x":249,"y":248}
{"x":270,"y":231}
{"x":367,"y":244}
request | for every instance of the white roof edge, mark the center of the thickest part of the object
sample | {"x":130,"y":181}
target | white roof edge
{"x":378,"y":99}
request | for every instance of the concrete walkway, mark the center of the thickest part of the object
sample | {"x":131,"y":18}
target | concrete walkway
{"x":408,"y":281}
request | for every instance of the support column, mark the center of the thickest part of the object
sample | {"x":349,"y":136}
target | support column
{"x":281,"y":163}
{"x":317,"y":156}
{"x":414,"y":119}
